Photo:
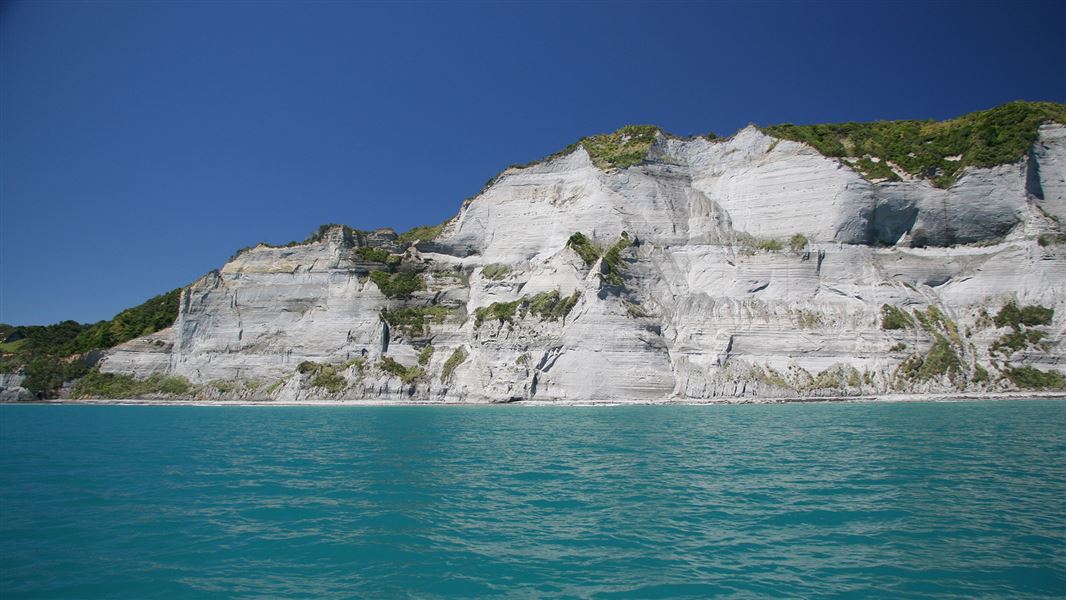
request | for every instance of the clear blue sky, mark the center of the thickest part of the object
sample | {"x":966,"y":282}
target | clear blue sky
{"x":141,"y":143}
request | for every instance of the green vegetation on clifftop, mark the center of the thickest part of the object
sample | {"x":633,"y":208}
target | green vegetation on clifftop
{"x":49,"y":355}
{"x":930,"y":149}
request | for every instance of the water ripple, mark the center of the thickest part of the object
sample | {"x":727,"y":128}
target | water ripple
{"x":953,"y":500}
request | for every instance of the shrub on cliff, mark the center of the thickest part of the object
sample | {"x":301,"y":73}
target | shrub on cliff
{"x":583,"y":247}
{"x":116,"y":387}
{"x":398,"y":285}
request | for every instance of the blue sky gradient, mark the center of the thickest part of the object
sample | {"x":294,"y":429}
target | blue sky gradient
{"x":142,"y":143}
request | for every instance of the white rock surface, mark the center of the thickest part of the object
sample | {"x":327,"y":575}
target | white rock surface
{"x":703,"y":313}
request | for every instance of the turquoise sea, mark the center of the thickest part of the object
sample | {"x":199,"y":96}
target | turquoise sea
{"x":922,"y":500}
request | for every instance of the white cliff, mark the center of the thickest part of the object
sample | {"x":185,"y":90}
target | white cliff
{"x":706,"y":299}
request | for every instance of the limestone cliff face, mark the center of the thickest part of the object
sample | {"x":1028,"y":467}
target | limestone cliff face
{"x":702,"y":295}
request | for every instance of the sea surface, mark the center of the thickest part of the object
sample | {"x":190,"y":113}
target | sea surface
{"x":909,"y":500}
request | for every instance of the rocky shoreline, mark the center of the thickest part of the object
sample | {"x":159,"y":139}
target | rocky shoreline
{"x":870,"y":399}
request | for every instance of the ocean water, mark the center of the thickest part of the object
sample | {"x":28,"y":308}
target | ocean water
{"x":944,"y":500}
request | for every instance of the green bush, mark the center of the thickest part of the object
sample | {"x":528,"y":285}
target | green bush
{"x":894,"y":318}
{"x":548,"y":306}
{"x":414,"y":321}
{"x":456,"y":359}
{"x":1031,"y":315}
{"x":624,"y":148}
{"x":797,"y":243}
{"x":770,"y":245}
{"x":367,"y":253}
{"x":612,"y":266}
{"x":583,"y":247}
{"x":495,"y":271}
{"x":116,"y":387}
{"x":500,"y":311}
{"x":1034,"y":379}
{"x":997,"y":136}
{"x":875,"y":170}
{"x":398,"y":285}
{"x":329,"y":380}
{"x":1016,"y":340}
{"x":406,"y":374}
{"x":941,"y":360}
{"x":425,"y":355}
{"x":424,"y":233}
{"x":324,"y":375}
{"x":1037,"y":315}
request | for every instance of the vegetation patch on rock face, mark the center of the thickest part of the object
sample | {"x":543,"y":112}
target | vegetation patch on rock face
{"x":612,"y":267}
{"x":635,"y":311}
{"x":934,"y":150}
{"x":935,"y":322}
{"x":548,"y":306}
{"x":415,"y":321}
{"x":797,"y":243}
{"x":456,"y":359}
{"x":499,"y":311}
{"x":495,"y":271}
{"x":749,"y":245}
{"x":1029,"y":378}
{"x":423,"y":233}
{"x":425,"y":355}
{"x":406,"y":374}
{"x":942,"y":359}
{"x":837,"y":378}
{"x":769,"y":245}
{"x":584,"y":248}
{"x":323,"y":376}
{"x":1016,"y":340}
{"x":895,"y":318}
{"x":1032,"y":315}
{"x":380,"y":255}
{"x":1051,"y":239}
{"x":116,"y":387}
{"x":398,"y":285}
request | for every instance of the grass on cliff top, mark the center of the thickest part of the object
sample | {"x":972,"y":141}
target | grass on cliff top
{"x":624,"y":148}
{"x":423,"y":233}
{"x":51,"y":354}
{"x":986,"y":138}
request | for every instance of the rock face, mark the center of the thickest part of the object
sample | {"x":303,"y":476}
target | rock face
{"x":750,"y":266}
